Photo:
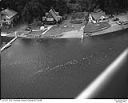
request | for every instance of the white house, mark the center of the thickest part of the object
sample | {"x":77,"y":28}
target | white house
{"x":7,"y":17}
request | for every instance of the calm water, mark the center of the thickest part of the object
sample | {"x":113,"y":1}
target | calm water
{"x":56,"y":68}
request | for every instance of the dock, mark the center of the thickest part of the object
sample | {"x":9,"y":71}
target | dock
{"x":47,"y":30}
{"x":9,"y":43}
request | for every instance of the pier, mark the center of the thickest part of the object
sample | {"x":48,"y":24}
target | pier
{"x":9,"y":43}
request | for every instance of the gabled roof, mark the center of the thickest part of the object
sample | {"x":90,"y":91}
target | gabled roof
{"x":53,"y":13}
{"x":9,"y":13}
{"x":48,"y":15}
{"x":98,"y":15}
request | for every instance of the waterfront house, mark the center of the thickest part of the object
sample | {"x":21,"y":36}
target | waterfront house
{"x":52,"y":17}
{"x":99,"y":16}
{"x":7,"y":17}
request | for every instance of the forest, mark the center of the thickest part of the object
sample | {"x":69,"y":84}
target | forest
{"x":28,"y":10}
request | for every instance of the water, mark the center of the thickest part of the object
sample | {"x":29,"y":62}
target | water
{"x":57,"y":68}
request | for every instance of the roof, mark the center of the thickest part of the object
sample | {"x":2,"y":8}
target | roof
{"x":48,"y":15}
{"x":53,"y":13}
{"x":9,"y":13}
{"x":98,"y":15}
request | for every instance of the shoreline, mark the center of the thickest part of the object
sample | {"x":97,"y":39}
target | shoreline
{"x":69,"y":30}
{"x":73,"y":33}
{"x":70,"y":36}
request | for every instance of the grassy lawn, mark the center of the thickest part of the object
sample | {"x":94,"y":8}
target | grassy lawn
{"x":91,"y":28}
{"x":18,"y":27}
{"x":78,"y":15}
{"x":73,"y":22}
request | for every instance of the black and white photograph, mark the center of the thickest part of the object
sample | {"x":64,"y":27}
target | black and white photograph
{"x":64,"y":49}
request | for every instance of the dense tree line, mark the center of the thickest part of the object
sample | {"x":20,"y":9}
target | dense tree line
{"x":88,"y":5}
{"x":113,"y":6}
{"x":109,"y":6}
{"x":30,"y":9}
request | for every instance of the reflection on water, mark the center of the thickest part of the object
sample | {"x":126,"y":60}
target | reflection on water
{"x":57,"y":68}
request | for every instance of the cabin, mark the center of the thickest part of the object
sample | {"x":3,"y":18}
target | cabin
{"x":52,"y":17}
{"x":7,"y":18}
{"x":99,"y":16}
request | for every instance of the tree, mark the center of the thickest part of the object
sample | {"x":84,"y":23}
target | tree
{"x":61,"y":7}
{"x":32,"y":10}
{"x":113,"y":6}
{"x":88,"y":5}
{"x":73,"y":1}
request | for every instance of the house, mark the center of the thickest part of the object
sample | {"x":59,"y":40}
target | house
{"x":99,"y":15}
{"x":52,"y":16}
{"x":7,"y":17}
